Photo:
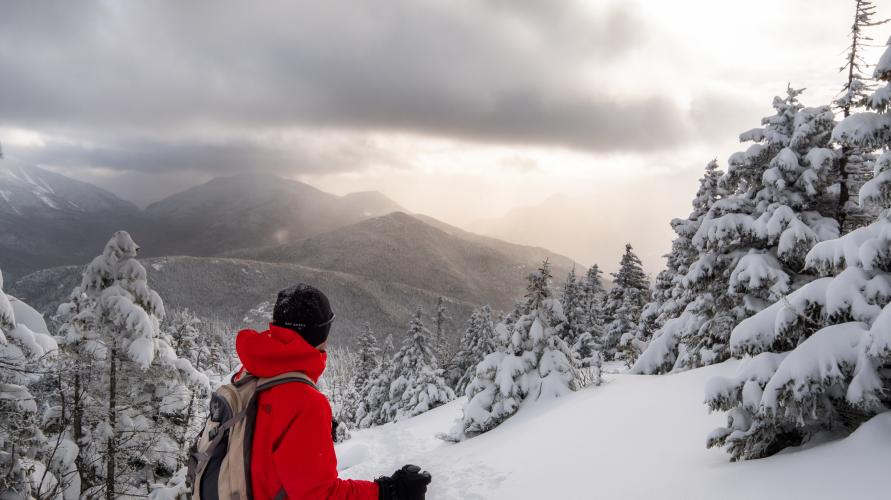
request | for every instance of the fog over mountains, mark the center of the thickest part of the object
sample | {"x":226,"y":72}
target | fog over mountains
{"x":225,"y":247}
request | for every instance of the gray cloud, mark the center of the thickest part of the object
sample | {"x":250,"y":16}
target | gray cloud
{"x":487,"y":71}
{"x":219,"y":158}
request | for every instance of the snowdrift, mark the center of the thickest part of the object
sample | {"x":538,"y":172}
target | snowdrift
{"x":635,"y":437}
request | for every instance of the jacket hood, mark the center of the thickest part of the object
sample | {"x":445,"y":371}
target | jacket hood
{"x":276,"y":351}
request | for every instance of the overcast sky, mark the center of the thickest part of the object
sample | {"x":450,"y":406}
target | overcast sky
{"x":458,"y":109}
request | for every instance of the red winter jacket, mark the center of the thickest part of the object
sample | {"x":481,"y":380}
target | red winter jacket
{"x":292,"y":448}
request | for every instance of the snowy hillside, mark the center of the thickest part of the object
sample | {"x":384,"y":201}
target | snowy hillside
{"x":635,"y":437}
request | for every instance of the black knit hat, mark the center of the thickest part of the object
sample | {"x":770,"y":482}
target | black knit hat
{"x":304,"y":309}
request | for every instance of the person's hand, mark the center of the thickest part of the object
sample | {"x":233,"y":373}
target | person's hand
{"x":407,"y":483}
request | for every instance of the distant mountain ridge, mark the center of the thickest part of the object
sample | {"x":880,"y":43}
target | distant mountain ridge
{"x":412,"y":250}
{"x":47,"y":219}
{"x":250,"y":210}
{"x":248,"y":236}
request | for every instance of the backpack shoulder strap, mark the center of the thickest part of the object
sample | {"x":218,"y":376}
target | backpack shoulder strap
{"x":284,"y":378}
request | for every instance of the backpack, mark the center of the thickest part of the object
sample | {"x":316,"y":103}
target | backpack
{"x":220,"y":460}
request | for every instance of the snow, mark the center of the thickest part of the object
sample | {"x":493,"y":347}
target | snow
{"x":824,"y":356}
{"x":656,"y":423}
{"x":866,"y":128}
{"x":883,"y":67}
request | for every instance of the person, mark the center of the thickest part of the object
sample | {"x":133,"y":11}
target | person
{"x":292,"y":456}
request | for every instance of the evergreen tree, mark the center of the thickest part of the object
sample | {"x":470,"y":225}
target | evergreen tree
{"x":854,"y":161}
{"x":368,"y":360}
{"x":417,"y":381}
{"x":752,"y":242}
{"x":373,"y":407}
{"x":369,"y":356}
{"x":821,"y":354}
{"x":128,"y":399}
{"x":388,"y":347}
{"x":181,"y":329}
{"x":533,"y":364}
{"x":441,"y":344}
{"x":671,"y":292}
{"x":479,"y":340}
{"x":623,"y":305}
{"x":583,"y":325}
{"x":24,"y":458}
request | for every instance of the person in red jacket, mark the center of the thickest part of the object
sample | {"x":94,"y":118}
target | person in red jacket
{"x":293,"y":450}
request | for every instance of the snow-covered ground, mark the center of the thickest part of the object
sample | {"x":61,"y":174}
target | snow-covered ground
{"x":634,"y":437}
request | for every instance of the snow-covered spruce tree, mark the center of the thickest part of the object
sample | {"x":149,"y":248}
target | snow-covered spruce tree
{"x":180,"y":329}
{"x":373,"y":407}
{"x":533,"y":364}
{"x":822,"y":354}
{"x":623,"y":306}
{"x":417,"y":381}
{"x":367,"y":361}
{"x":24,"y":450}
{"x":572,"y":302}
{"x":593,"y":297}
{"x":666,"y":321}
{"x":388,"y":347}
{"x":478,"y":341}
{"x":128,"y":400}
{"x":442,"y":347}
{"x":753,"y":241}
{"x":854,"y":161}
{"x":369,"y":357}
{"x":580,"y":330}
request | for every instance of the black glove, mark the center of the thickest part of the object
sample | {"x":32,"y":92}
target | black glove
{"x":407,"y":483}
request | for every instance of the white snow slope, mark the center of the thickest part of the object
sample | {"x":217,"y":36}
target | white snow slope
{"x":635,"y":437}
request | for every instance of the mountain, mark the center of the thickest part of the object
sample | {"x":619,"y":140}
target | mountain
{"x":378,"y":270}
{"x":229,"y":288}
{"x":421,"y":252}
{"x":47,"y":219}
{"x":252,"y":210}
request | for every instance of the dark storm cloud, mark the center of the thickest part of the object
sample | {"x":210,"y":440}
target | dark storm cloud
{"x":485,"y":71}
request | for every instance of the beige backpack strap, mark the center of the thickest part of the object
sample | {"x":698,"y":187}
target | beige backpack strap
{"x":284,"y":378}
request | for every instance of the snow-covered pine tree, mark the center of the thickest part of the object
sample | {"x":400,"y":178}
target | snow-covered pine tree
{"x":442,"y":348}
{"x":181,"y":329}
{"x":822,"y":353}
{"x":572,"y":302}
{"x":582,"y":327}
{"x":373,"y":401}
{"x":25,"y":452}
{"x":623,"y":306}
{"x":417,"y":381}
{"x":532,"y":364}
{"x":367,"y":361}
{"x":668,"y":297}
{"x":479,"y":341}
{"x":388,"y":347}
{"x":665,"y":318}
{"x":593,"y":297}
{"x":465,"y":358}
{"x":854,"y":162}
{"x":127,"y":398}
{"x":752,"y":242}
{"x":369,"y":356}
